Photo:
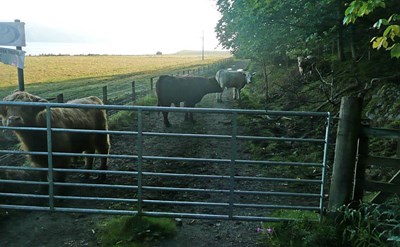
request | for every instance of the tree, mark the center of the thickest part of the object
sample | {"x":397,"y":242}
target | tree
{"x":275,"y":29}
{"x":389,"y":39}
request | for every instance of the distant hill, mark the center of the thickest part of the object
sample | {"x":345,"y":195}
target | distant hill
{"x":206,"y":53}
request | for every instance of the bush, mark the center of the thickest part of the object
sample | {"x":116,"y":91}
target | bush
{"x":305,"y":231}
{"x":372,"y":224}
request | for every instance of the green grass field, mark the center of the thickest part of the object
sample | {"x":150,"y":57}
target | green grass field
{"x":78,"y":76}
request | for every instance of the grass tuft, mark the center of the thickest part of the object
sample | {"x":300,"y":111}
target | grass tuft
{"x":134,"y":231}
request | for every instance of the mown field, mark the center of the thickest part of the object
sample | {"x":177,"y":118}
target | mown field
{"x":76,"y":76}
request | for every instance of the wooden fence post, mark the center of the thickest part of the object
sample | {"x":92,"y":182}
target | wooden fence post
{"x":151,"y":84}
{"x":133,"y":91}
{"x":341,"y":191}
{"x":21,"y":82}
{"x":105,"y":99}
{"x":60,"y":98}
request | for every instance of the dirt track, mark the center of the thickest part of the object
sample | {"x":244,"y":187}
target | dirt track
{"x":60,"y":229}
{"x":78,"y":229}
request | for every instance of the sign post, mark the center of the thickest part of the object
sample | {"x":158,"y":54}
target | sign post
{"x":13,"y":34}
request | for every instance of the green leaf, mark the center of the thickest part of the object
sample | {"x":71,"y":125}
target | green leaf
{"x":395,"y":50}
{"x":387,"y":31}
{"x":364,"y":10}
{"x":347,"y":20}
{"x":396,"y":30}
{"x":380,"y":42}
{"x":349,"y":10}
{"x":394,"y":238}
{"x":378,"y":24}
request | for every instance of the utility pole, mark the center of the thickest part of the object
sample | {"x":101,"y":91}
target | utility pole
{"x":202,"y":46}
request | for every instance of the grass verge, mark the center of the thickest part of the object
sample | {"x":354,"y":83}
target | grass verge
{"x":135,"y":231}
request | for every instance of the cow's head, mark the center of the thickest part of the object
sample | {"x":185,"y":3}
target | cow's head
{"x":249,"y":76}
{"x":20,"y":115}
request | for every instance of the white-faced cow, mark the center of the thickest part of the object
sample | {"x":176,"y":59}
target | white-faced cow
{"x":306,"y":65}
{"x":67,"y":142}
{"x":187,"y":89}
{"x":233,"y":79}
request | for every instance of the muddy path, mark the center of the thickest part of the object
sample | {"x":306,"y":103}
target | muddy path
{"x":30,"y":228}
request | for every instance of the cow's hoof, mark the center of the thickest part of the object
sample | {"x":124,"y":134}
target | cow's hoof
{"x":101,"y":178}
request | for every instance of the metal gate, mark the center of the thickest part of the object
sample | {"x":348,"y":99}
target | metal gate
{"x":151,"y":175}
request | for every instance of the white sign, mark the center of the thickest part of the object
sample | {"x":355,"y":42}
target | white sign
{"x":12,"y":57}
{"x":12,"y":33}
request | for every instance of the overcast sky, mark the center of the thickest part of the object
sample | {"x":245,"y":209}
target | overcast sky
{"x":148,"y":25}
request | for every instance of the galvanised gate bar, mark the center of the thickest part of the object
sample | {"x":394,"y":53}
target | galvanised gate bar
{"x":217,"y":184}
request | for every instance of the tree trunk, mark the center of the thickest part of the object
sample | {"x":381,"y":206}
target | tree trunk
{"x":352,"y":44}
{"x":340,"y":37}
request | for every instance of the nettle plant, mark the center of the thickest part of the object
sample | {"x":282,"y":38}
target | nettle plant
{"x":372,"y":224}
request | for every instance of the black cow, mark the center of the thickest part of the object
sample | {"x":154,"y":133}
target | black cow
{"x":187,"y":89}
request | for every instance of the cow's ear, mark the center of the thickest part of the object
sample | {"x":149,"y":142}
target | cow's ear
{"x":35,"y":98}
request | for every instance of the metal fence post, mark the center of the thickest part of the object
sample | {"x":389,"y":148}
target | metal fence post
{"x":232,"y":165}
{"x":50,"y":172}
{"x":140,"y":161}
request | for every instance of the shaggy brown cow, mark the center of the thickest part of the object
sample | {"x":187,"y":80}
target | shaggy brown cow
{"x":69,"y":142}
{"x":187,"y":89}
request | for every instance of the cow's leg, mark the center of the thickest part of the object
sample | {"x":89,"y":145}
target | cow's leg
{"x":88,"y":162}
{"x":234,"y":93}
{"x":189,"y":115}
{"x":166,"y":122}
{"x":186,"y":113}
{"x":43,"y":188}
{"x":58,"y":162}
{"x":219,"y":96}
{"x":102,"y":147}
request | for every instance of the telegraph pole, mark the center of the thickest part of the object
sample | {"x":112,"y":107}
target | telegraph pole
{"x":202,"y":46}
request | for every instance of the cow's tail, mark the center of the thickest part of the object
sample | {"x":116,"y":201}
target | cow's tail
{"x":158,"y":92}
